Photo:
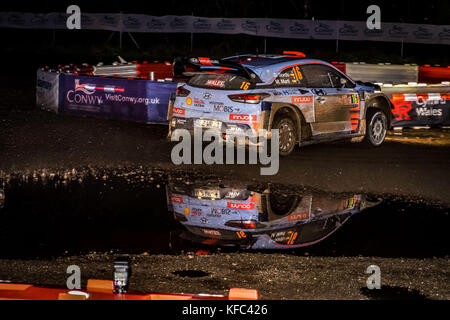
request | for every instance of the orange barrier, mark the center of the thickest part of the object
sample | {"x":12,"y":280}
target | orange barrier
{"x":104,"y":290}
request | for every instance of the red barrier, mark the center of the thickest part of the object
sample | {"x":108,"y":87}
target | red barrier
{"x":161,"y":70}
{"x":436,"y":74}
{"x":340,"y":66}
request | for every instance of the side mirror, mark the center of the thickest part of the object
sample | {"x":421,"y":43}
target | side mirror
{"x":345,"y":83}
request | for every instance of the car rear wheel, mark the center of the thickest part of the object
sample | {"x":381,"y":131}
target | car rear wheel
{"x":287,"y":135}
{"x":377,"y":125}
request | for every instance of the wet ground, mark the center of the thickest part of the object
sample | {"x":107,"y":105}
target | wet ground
{"x":89,"y":218}
{"x":85,"y":191}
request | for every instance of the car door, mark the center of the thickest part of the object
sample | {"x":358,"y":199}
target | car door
{"x":335,"y":100}
{"x":291,"y":87}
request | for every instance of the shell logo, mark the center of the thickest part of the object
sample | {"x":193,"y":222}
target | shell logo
{"x":187,"y":211}
{"x":189,"y":101}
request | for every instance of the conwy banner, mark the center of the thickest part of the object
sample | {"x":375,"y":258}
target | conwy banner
{"x":279,"y":28}
{"x":114,"y":98}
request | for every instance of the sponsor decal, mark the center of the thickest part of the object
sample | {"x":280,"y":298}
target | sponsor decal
{"x":302,"y":99}
{"x":299,"y":28}
{"x":323,"y":29}
{"x":215,"y":83}
{"x":298,"y":216}
{"x":348,"y":30}
{"x":90,"y":88}
{"x":206,"y":96}
{"x":179,"y":111}
{"x":373,"y":32}
{"x":177,"y":199}
{"x":196,"y":212}
{"x":401,"y":110}
{"x":189,"y":101}
{"x":222,"y":108}
{"x":108,"y":21}
{"x":241,"y":234}
{"x":250,"y":26}
{"x":202,"y":24}
{"x":156,"y":24}
{"x":199,"y":102}
{"x":211,"y":232}
{"x":241,"y":206}
{"x":225,"y":24}
{"x":397,"y":32}
{"x":132,"y":23}
{"x":429,"y":112}
{"x":275,"y":27}
{"x":233,"y":194}
{"x":216,"y":212}
{"x":187,"y":211}
{"x":287,"y":237}
{"x":178,"y":23}
{"x":423,"y":33}
{"x":444,"y":34}
{"x":243,"y":117}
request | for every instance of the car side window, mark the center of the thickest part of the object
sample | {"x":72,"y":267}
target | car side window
{"x":290,"y":77}
{"x":318,"y":76}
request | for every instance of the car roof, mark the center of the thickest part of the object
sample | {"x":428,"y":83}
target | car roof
{"x":267,"y":67}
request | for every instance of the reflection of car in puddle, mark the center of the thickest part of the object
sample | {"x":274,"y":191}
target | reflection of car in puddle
{"x":224,"y":215}
{"x":2,"y":198}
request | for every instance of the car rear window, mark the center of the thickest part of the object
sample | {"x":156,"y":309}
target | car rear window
{"x":221,"y":81}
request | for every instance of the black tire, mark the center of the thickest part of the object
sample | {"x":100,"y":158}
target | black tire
{"x":376,"y":128}
{"x":287,"y":134}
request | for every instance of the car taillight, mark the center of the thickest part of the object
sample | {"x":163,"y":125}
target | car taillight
{"x":244,"y":224}
{"x":182,"y":92}
{"x":248,"y":97}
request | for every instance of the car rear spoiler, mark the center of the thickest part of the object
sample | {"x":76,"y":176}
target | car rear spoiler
{"x":183,"y":66}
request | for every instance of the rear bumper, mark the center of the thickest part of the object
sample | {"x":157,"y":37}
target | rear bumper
{"x":247,"y":135}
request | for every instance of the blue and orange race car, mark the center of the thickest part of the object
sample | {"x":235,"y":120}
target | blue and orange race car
{"x":234,"y":215}
{"x":307,"y":100}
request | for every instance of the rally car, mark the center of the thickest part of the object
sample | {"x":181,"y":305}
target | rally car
{"x":307,"y":100}
{"x":234,"y":215}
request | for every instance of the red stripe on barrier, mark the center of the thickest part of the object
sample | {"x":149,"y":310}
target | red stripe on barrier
{"x":428,"y":74}
{"x":445,"y":96}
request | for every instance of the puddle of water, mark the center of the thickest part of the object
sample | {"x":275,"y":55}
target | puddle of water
{"x":190,"y":273}
{"x":392,"y":293}
{"x":133,"y":214}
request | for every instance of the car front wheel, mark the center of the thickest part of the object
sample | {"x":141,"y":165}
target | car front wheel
{"x":377,"y":125}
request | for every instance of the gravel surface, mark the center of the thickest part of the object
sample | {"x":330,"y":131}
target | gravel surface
{"x":275,"y":276}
